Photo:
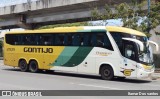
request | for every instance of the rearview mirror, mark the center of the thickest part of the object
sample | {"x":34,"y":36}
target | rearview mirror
{"x":157,"y":47}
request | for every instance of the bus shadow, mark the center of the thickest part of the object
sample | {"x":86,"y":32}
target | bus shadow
{"x":85,"y":76}
{"x":136,"y":81}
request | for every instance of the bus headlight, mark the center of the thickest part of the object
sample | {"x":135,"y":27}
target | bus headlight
{"x":145,"y":67}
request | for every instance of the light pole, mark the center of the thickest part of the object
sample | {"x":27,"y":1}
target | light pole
{"x":149,"y":4}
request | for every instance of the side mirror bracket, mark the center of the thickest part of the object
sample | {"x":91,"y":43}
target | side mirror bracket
{"x":157,"y":47}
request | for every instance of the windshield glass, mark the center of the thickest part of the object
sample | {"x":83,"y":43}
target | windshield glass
{"x":145,"y":56}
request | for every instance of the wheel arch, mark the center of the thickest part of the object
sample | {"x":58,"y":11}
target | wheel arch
{"x":107,"y":64}
{"x":21,"y":60}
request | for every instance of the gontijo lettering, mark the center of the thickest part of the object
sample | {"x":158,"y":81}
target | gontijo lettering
{"x":38,"y":50}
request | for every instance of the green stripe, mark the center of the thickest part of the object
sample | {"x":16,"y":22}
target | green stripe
{"x":78,"y":57}
{"x":65,"y":56}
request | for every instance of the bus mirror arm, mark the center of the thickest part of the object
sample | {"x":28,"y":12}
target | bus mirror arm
{"x":157,"y":47}
{"x":136,"y":41}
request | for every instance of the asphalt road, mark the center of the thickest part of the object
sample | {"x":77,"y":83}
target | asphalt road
{"x":13,"y":79}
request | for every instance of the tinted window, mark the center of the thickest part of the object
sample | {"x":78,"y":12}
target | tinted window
{"x":9,"y":39}
{"x":12,"y":39}
{"x":68,"y":40}
{"x":59,"y":39}
{"x":29,"y":39}
{"x":118,"y":39}
{"x":45,"y":39}
{"x":89,"y":39}
{"x":103,"y":41}
{"x":117,"y":36}
{"x":129,"y":51}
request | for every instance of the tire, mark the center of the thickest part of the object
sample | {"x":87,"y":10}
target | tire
{"x":33,"y":67}
{"x":23,"y":66}
{"x":106,"y":73}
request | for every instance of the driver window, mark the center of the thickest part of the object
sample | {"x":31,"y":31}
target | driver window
{"x":129,"y":51}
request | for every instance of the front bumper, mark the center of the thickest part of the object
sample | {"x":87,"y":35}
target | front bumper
{"x":144,"y":73}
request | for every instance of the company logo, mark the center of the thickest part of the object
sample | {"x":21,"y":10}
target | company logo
{"x":127,"y":72}
{"x":38,"y":50}
{"x":103,"y":53}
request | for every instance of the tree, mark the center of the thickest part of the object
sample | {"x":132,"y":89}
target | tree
{"x":65,"y":25}
{"x":133,"y":15}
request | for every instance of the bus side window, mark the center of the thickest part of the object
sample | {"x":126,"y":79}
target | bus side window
{"x":40,"y":39}
{"x":59,"y":39}
{"x":65,"y":40}
{"x":86,"y":39}
{"x":23,"y":40}
{"x":100,"y":40}
{"x":93,"y":40}
{"x":56,"y":39}
{"x":89,"y":39}
{"x":12,"y":39}
{"x":81,"y":37}
{"x":68,"y":38}
{"x":107,"y":43}
{"x":16,"y":40}
{"x":129,"y":51}
{"x":76,"y":40}
{"x":46,"y":39}
{"x":31,"y":39}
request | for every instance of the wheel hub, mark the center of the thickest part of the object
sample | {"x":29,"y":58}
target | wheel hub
{"x":106,"y":72}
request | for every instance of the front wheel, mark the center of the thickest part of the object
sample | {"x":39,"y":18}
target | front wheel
{"x":33,"y":66}
{"x":106,"y":73}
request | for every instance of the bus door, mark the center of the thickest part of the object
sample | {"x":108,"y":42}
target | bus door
{"x":130,"y":58}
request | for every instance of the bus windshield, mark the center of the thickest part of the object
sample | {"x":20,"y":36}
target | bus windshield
{"x":145,"y":56}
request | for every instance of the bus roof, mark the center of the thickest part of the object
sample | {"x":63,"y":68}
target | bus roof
{"x":57,"y":29}
{"x":124,"y":30}
{"x":82,"y":28}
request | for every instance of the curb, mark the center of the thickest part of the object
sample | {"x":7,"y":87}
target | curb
{"x":156,"y":74}
{"x":157,"y":70}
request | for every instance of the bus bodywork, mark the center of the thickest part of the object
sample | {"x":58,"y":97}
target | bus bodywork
{"x":89,"y":50}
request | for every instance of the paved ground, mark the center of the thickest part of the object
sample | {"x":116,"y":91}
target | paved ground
{"x":12,"y":78}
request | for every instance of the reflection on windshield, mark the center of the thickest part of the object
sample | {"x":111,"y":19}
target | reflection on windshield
{"x":146,"y":56}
